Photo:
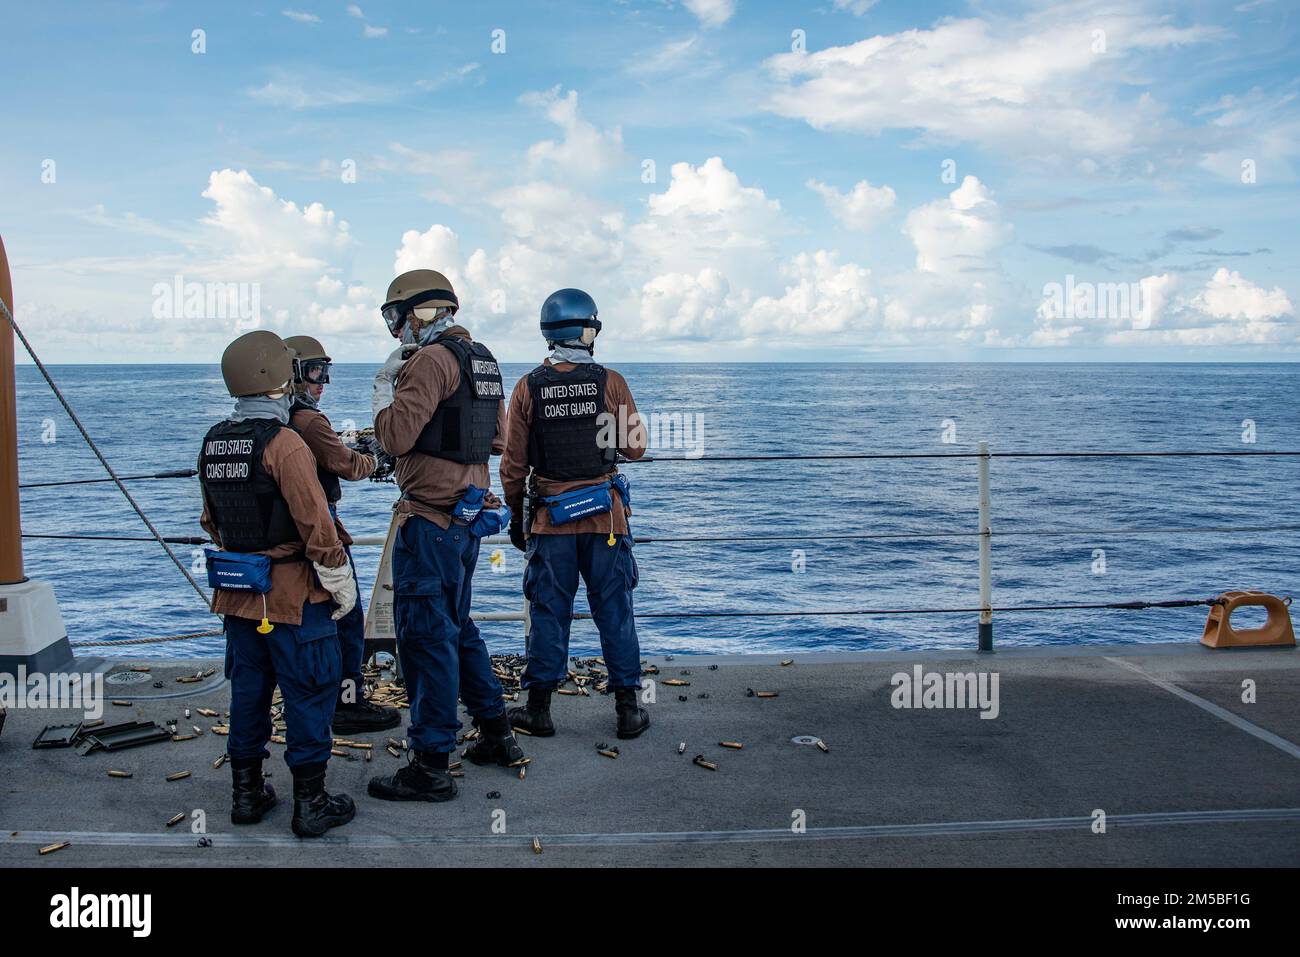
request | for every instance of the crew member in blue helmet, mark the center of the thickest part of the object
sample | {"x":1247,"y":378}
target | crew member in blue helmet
{"x":569,"y":418}
{"x":439,"y":408}
{"x":353,"y":713}
{"x":279,"y":564}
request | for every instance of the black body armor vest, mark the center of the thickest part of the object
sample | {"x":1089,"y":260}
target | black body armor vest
{"x":329,"y":481}
{"x":567,"y":409}
{"x":245,"y":503}
{"x":463,"y":427}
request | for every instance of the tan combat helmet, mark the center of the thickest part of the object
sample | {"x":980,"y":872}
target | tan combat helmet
{"x":419,"y":288}
{"x":307,"y":348}
{"x":257,"y":363}
{"x":311,"y":364}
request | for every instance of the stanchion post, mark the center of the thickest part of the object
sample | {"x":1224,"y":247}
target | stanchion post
{"x":986,"y":554}
{"x":32,"y":636}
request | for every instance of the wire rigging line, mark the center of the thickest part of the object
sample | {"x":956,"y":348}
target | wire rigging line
{"x":791,"y":537}
{"x":874,"y":612}
{"x":855,"y":456}
{"x":179,"y":473}
{"x":100,"y":455}
{"x":796,"y":613}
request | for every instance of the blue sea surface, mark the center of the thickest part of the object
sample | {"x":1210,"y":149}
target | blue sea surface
{"x":151,"y":418}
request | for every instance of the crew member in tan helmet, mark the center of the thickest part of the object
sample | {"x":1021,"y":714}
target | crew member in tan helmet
{"x":441,"y":413}
{"x":264,"y":508}
{"x":353,"y":713}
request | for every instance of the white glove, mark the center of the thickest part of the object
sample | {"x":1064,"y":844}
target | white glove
{"x":341,"y":584}
{"x":381,"y":397}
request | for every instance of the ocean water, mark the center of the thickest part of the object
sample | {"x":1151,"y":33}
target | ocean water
{"x":151,"y":418}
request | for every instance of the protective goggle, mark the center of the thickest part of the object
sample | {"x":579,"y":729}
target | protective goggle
{"x":312,"y":371}
{"x":396,"y":313}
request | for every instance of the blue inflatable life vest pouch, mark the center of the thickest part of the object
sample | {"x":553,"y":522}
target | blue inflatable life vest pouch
{"x":490,"y":521}
{"x":470,"y":505}
{"x":238,"y":571}
{"x":624,"y":487}
{"x":580,"y":503}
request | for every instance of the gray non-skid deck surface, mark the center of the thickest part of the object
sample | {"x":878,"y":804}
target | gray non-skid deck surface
{"x":1075,"y":733}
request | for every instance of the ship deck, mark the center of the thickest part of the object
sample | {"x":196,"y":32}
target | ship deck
{"x":1156,"y":737}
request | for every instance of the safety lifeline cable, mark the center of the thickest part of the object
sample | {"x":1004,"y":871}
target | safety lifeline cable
{"x":824,"y":457}
{"x":796,"y":613}
{"x":179,"y":473}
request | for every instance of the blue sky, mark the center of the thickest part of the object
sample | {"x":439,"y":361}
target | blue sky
{"x":840,"y":180}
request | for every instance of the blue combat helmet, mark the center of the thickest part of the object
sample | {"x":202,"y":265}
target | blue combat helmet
{"x":567,"y":314}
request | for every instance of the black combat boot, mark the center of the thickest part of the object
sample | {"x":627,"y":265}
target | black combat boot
{"x":496,"y":743}
{"x":534,"y":717}
{"x":315,"y":810}
{"x":251,"y":797}
{"x":632,"y":718}
{"x":363,"y":716}
{"x":424,"y":778}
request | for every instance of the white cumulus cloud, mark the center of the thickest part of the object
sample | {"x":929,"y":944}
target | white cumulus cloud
{"x":862,"y":208}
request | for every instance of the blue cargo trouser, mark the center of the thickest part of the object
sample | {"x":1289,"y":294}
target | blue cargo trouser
{"x":443,"y":655}
{"x":304,"y":661}
{"x":550,"y":585}
{"x":352,"y":632}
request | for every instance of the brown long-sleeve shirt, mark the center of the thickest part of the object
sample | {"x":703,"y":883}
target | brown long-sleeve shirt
{"x":289,"y":461}
{"x":331,"y":454}
{"x":430,"y":486}
{"x":514,"y":461}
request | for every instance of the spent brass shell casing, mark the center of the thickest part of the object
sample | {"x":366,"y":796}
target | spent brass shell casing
{"x":221,"y":729}
{"x":609,"y":752}
{"x":51,"y":848}
{"x":823,"y":746}
{"x":786,"y":661}
{"x":206,"y":712}
{"x":676,"y":682}
{"x":369,"y":755}
{"x":112,"y":773}
{"x":766,"y":694}
{"x":522,"y":731}
{"x":537,"y":846}
{"x":177,"y":776}
{"x":221,"y":759}
{"x":699,"y":759}
{"x":92,"y":724}
{"x":338,"y":752}
{"x":393,"y":743}
{"x":187,"y":714}
{"x":523,"y":770}
{"x":184,"y":737}
{"x":277,"y":739}
{"x":734,"y":745}
{"x":394,"y":752}
{"x":176,"y":820}
{"x":681,"y":748}
{"x":197,"y":729}
{"x":122,"y":704}
{"x":143,"y":668}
